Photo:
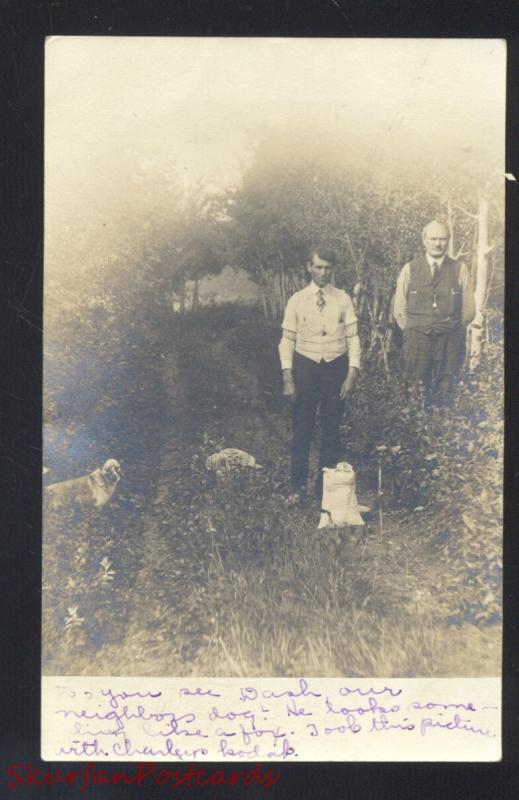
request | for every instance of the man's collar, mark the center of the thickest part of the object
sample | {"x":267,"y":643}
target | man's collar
{"x":431,"y":260}
{"x":314,"y":288}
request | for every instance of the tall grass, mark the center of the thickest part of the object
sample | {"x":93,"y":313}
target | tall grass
{"x":208,"y":577}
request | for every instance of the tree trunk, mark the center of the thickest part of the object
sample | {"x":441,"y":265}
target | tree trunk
{"x":276,"y":297}
{"x":375,"y":334}
{"x":267,"y":293}
{"x":264,"y":300}
{"x":474,"y":259}
{"x":282,"y":279}
{"x":195,"y":303}
{"x":273,"y":294}
{"x":451,"y":229}
{"x":480,"y":294}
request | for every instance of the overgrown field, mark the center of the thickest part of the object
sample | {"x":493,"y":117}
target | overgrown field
{"x":179,"y":575}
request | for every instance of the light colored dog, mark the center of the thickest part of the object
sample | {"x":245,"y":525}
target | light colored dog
{"x":90,"y":491}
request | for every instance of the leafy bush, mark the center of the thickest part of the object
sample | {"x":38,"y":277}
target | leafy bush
{"x":445,"y":466}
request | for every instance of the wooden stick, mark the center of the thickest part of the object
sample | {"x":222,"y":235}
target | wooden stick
{"x":380,"y":517}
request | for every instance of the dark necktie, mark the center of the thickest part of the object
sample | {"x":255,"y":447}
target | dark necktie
{"x":434,"y":272}
{"x":321,"y":302}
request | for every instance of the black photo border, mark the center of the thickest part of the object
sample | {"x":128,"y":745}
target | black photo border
{"x":24,"y":24}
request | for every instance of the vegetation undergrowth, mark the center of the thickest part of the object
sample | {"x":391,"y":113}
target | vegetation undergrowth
{"x":185,"y":575}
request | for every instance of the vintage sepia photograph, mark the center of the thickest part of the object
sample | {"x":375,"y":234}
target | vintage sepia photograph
{"x":273,"y":357}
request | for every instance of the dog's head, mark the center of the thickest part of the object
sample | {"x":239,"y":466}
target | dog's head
{"x":111,"y":471}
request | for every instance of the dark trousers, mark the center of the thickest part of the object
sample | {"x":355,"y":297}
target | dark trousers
{"x":316,"y":385}
{"x":434,"y":359}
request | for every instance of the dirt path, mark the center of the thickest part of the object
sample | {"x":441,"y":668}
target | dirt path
{"x":162,"y":577}
{"x":198,"y":427}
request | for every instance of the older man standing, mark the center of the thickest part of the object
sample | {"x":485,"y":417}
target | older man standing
{"x":434,"y":302}
{"x":320,"y":360}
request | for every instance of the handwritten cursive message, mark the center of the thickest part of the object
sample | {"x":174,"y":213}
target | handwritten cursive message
{"x":270,"y":719}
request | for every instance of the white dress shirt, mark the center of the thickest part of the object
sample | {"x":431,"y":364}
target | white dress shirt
{"x":431,"y":261}
{"x":319,"y":334}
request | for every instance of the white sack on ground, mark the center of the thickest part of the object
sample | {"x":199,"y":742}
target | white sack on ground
{"x":339,"y":506}
{"x":229,"y":459}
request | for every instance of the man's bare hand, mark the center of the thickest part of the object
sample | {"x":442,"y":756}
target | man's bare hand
{"x":349,"y":383}
{"x":289,"y":387}
{"x":289,"y":390}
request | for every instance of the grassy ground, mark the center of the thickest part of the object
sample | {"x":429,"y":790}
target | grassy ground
{"x":183,"y":576}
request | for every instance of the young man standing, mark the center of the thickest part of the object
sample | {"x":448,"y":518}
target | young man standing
{"x":320,"y":360}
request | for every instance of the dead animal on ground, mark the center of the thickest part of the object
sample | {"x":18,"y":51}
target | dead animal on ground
{"x":90,"y":491}
{"x":230,"y":459}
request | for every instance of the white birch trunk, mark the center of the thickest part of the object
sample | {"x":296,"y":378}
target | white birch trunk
{"x":264,"y":301}
{"x":480,"y":293}
{"x":194,"y":301}
{"x":282,"y":280}
{"x":451,"y":229}
{"x":267,"y":282}
{"x":474,"y":259}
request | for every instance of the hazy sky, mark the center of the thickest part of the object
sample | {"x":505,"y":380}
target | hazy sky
{"x":193,"y":107}
{"x":196,"y":103}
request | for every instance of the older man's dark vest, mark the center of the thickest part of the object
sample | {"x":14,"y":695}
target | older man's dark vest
{"x":434,"y":304}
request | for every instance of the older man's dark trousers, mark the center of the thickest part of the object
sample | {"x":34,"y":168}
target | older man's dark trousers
{"x":316,"y":385}
{"x":434,"y":359}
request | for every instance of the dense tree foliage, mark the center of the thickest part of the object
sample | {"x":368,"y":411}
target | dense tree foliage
{"x":162,"y":240}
